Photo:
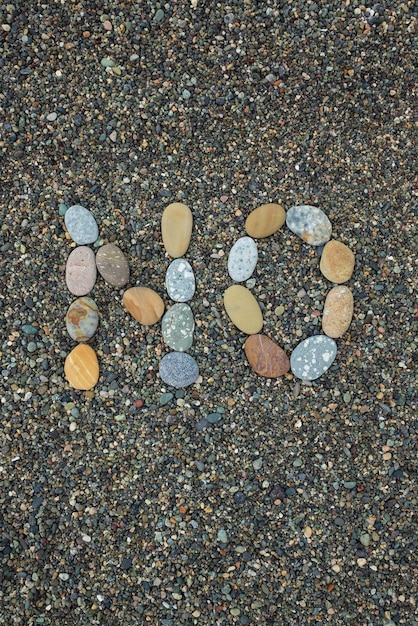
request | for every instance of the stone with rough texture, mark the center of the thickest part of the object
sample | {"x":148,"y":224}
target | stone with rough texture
{"x":82,"y":319}
{"x":179,"y":369}
{"x":243,"y":309}
{"x":178,"y":326}
{"x":80,"y":272}
{"x":338,"y":311}
{"x":309,"y":223}
{"x":180,"y":280}
{"x":112,"y":265}
{"x":312,"y":357}
{"x":144,"y":304}
{"x":266,"y":357}
{"x":176,"y":228}
{"x":337,"y":262}
{"x":82,"y":367}
{"x":81,"y":225}
{"x":242,"y":259}
{"x":265,"y":220}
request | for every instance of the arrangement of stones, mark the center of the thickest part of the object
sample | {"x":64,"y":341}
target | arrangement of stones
{"x":315,"y":355}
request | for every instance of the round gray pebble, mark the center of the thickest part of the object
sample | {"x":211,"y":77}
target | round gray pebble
{"x":81,"y":225}
{"x":179,"y":369}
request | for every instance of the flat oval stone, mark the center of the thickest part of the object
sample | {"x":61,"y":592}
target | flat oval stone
{"x":310,"y":223}
{"x":266,"y":357}
{"x":312,"y":357}
{"x":80,"y":273}
{"x":112,"y":265}
{"x":243,"y":309}
{"x":82,"y":319}
{"x":176,"y":228}
{"x":82,"y":367}
{"x":265,"y":220}
{"x":242,"y":259}
{"x":337,"y":262}
{"x":338,"y":311}
{"x":179,"y":369}
{"x":81,"y":225}
{"x":180,"y":281}
{"x":178,"y":326}
{"x":144,"y":304}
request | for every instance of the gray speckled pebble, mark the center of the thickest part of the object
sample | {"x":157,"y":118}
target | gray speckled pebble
{"x":179,"y":369}
{"x":312,"y":357}
{"x":180,"y":281}
{"x":178,"y":326}
{"x":81,"y":225}
{"x":309,"y":223}
{"x":242,"y":259}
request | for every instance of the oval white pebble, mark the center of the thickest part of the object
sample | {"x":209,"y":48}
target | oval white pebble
{"x":242,"y":259}
{"x":312,"y":357}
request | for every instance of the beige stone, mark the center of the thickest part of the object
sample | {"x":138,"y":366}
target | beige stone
{"x":265,"y":220}
{"x":80,"y":272}
{"x":337,"y":262}
{"x":144,"y":304}
{"x":266,"y":357}
{"x":112,"y":265}
{"x":243,"y":309}
{"x":82,"y":367}
{"x":176,"y":229}
{"x":338,"y":311}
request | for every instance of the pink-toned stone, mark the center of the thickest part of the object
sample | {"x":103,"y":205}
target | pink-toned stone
{"x":80,"y":273}
{"x":338,"y":311}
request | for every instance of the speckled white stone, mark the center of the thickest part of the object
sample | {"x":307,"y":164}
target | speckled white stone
{"x":180,"y":281}
{"x":309,"y":223}
{"x":81,"y":225}
{"x":312,"y":357}
{"x":178,"y":326}
{"x":242,"y":259}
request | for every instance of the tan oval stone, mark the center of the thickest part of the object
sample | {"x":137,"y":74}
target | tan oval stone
{"x":243,"y":309}
{"x":266,"y":357}
{"x":80,"y":273}
{"x":82,"y":367}
{"x":176,"y":228}
{"x":144,"y":304}
{"x":338,"y":311}
{"x":265,"y":220}
{"x":337,"y":262}
{"x":112,"y":265}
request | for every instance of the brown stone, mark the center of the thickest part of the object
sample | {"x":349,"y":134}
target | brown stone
{"x":266,"y":357}
{"x":82,"y":367}
{"x":112,"y":265}
{"x":337,"y":262}
{"x":80,"y":273}
{"x":243,"y":309}
{"x":144,"y":304}
{"x":265,"y":220}
{"x":338,"y":311}
{"x":176,"y":229}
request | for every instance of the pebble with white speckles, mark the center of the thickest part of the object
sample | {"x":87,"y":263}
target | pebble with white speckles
{"x":309,"y":223}
{"x":180,"y":280}
{"x":81,"y":225}
{"x":242,"y":259}
{"x":178,"y":327}
{"x":312,"y":357}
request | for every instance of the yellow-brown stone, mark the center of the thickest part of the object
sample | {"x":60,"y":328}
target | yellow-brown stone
{"x":82,"y":367}
{"x":266,"y":357}
{"x":265,"y":220}
{"x":144,"y":304}
{"x":176,"y":228}
{"x":337,"y":262}
{"x":338,"y":311}
{"x":243,"y":309}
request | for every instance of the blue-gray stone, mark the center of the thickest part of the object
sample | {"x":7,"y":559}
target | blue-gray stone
{"x":242,"y":259}
{"x":179,"y":369}
{"x":309,"y":223}
{"x":312,"y":357}
{"x":178,"y":327}
{"x":81,"y":225}
{"x":28,"y":329}
{"x":180,"y":281}
{"x":214,"y":417}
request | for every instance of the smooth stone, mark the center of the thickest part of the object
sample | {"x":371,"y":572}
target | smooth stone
{"x":337,"y":262}
{"x":82,"y":367}
{"x":81,"y":225}
{"x":309,"y":223}
{"x":243,"y":309}
{"x":312,"y":357}
{"x":179,"y":369}
{"x":180,"y":281}
{"x":112,"y":265}
{"x":178,"y":326}
{"x":82,"y":319}
{"x":266,"y":357}
{"x":242,"y":259}
{"x":338,"y":311}
{"x":80,"y":273}
{"x":144,"y":304}
{"x":176,"y":228}
{"x":265,"y":220}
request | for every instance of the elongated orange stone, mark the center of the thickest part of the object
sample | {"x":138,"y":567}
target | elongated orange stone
{"x":82,"y":367}
{"x":176,"y":229}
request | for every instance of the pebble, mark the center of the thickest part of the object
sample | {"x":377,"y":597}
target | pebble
{"x":265,"y":357}
{"x":178,"y":327}
{"x":242,"y":259}
{"x":82,"y":367}
{"x":80,"y":273}
{"x":144,"y":304}
{"x":180,"y":281}
{"x":265,"y":220}
{"x":82,"y":319}
{"x":176,"y":229}
{"x":312,"y":357}
{"x":338,"y":311}
{"x":179,"y":369}
{"x":243,"y":309}
{"x":309,"y":223}
{"x":112,"y":265}
{"x":337,"y":262}
{"x":81,"y":225}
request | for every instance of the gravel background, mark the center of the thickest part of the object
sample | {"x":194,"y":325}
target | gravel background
{"x":295,"y":504}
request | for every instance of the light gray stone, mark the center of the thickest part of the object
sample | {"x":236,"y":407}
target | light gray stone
{"x":178,"y":369}
{"x":242,"y":259}
{"x":178,"y":327}
{"x":312,"y":357}
{"x":309,"y":223}
{"x":81,"y":225}
{"x":180,"y":280}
